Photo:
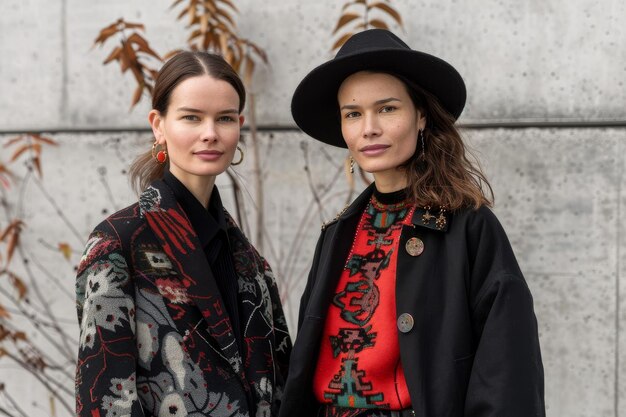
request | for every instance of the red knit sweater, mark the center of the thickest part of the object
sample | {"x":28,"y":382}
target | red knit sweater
{"x":359,"y":360}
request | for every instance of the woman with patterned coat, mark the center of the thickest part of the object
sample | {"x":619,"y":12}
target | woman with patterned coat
{"x":179,"y":315}
{"x":415,"y":304}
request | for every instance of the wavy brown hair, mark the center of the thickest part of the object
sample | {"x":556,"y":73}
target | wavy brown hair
{"x":448,"y":175}
{"x":183,"y":65}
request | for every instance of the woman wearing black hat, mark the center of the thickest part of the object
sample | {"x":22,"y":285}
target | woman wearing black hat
{"x":415,"y":304}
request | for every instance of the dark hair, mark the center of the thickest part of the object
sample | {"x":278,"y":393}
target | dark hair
{"x":448,"y":175}
{"x":182,"y":66}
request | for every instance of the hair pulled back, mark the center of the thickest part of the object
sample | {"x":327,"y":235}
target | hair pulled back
{"x":182,"y":66}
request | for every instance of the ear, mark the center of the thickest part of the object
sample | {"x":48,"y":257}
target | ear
{"x":241,"y":120}
{"x":155,"y":119}
{"x":421,"y":120}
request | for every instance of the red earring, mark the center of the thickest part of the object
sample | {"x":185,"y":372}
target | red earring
{"x":159,"y":155}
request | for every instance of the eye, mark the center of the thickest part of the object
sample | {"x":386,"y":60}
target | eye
{"x":190,"y":117}
{"x":352,"y":115}
{"x":387,"y":109}
{"x":226,"y":119}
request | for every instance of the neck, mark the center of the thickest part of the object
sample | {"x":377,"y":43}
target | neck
{"x":388,"y":182}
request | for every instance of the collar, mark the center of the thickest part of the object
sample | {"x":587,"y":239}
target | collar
{"x":435,"y":219}
{"x":206,"y":222}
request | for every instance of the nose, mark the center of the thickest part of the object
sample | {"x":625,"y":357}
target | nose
{"x":371,"y":128}
{"x":209,"y":133}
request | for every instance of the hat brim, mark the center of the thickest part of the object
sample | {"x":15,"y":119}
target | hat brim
{"x":314,"y":104}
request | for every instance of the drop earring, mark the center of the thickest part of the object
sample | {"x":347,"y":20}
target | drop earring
{"x":160,"y":155}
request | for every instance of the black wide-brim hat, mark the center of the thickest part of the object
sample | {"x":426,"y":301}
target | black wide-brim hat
{"x":314,"y":104}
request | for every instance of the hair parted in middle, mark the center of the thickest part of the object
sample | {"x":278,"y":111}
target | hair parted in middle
{"x":449,"y":175}
{"x":184,"y":65}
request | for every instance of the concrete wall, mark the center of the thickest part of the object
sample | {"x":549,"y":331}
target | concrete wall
{"x":528,"y":65}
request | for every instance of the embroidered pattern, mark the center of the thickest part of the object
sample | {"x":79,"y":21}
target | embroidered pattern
{"x":155,"y":342}
{"x":357,"y":300}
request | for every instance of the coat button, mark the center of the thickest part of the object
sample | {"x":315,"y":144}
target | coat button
{"x":405,"y":322}
{"x":414,"y":246}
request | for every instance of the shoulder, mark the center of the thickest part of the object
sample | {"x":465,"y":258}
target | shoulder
{"x":351,"y":209}
{"x":128,"y":218}
{"x":479,"y":220}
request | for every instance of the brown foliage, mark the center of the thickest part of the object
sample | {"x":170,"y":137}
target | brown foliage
{"x":213,"y":29}
{"x":361,"y":15}
{"x":212,"y":26}
{"x":11,"y":236}
{"x":131,"y":53}
{"x":28,"y":142}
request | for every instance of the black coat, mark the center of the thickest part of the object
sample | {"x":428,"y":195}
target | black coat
{"x":473,"y":350}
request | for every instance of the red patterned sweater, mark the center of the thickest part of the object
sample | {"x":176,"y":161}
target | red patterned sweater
{"x":359,"y":360}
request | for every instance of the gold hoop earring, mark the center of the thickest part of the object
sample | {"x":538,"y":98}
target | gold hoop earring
{"x":241,"y":157}
{"x":159,"y":155}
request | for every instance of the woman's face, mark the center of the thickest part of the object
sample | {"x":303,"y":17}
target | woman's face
{"x":380,"y":125}
{"x":200,"y":129}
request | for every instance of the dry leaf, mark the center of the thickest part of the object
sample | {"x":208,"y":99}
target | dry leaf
{"x":226,"y":16}
{"x":13,"y":140}
{"x":20,"y":151}
{"x":12,"y":234}
{"x":4,"y":314}
{"x":137,"y":95}
{"x":19,"y":336}
{"x":210,"y":8}
{"x":230,"y":4}
{"x":204,"y":23}
{"x":377,"y":23}
{"x":389,"y":10}
{"x":47,"y":141}
{"x":19,"y":285}
{"x":37,"y":164}
{"x":249,"y":63}
{"x":134,"y":26}
{"x":66,"y":250}
{"x":171,"y":54}
{"x":142,"y":45}
{"x":176,"y":3}
{"x":344,"y":20}
{"x":5,"y":174}
{"x":341,"y":40}
{"x":115,"y":55}
{"x":352,"y":3}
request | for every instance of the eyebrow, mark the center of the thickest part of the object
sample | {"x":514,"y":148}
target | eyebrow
{"x":192,"y":110}
{"x":376,"y":103}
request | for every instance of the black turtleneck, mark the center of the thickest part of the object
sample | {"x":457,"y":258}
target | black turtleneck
{"x":393,"y":197}
{"x":211,"y":228}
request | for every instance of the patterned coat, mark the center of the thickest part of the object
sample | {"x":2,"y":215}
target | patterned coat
{"x":155,"y":337}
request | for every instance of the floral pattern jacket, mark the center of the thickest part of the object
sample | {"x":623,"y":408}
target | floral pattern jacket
{"x":155,"y":337}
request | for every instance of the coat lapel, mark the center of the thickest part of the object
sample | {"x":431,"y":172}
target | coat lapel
{"x":338,"y":238}
{"x":181,"y":244}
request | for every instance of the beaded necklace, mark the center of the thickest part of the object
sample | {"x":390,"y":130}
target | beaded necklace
{"x":377,"y":205}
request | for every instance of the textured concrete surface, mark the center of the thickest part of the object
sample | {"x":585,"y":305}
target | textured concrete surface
{"x":558,"y":191}
{"x":532,"y":61}
{"x":558,"y":196}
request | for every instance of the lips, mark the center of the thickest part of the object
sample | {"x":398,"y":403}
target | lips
{"x":373,"y":150}
{"x":208,"y":155}
{"x":209,"y":152}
